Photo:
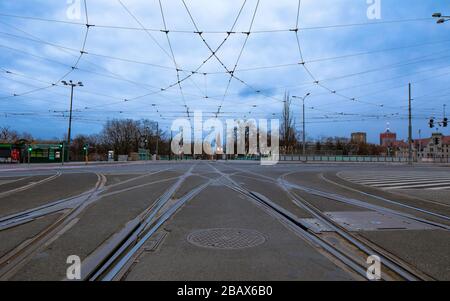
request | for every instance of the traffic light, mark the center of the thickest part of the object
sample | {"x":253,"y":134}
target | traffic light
{"x":85,"y":147}
{"x":445,"y":122}
{"x":431,"y":123}
{"x":30,"y":149}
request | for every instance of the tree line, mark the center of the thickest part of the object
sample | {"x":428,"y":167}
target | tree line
{"x":125,"y":136}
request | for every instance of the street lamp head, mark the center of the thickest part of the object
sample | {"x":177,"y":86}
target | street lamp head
{"x":307,"y":94}
{"x":64,"y":82}
{"x":437,"y":15}
{"x":440,"y":21}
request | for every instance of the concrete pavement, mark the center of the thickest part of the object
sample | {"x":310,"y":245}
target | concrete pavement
{"x":38,"y":249}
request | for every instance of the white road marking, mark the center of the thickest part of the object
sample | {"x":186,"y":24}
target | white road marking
{"x":400,"y":181}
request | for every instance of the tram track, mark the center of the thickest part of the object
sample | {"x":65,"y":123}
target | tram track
{"x":30,"y":185}
{"x":13,"y":260}
{"x":394,"y":268}
{"x":69,"y":209}
{"x":427,"y":212}
{"x":118,"y":257}
{"x":26,"y":216}
{"x":111,"y":260}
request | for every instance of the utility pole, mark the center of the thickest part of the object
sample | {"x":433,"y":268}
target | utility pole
{"x":157,"y":139}
{"x":72,"y":85}
{"x":63,"y":153}
{"x":410,"y":157}
{"x":86,"y":155}
{"x":304,"y":125}
{"x":29,"y":149}
{"x":445,"y":119}
{"x":304,"y":128}
{"x":420,"y":144}
{"x":170,"y":145}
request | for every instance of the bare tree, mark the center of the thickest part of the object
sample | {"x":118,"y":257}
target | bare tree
{"x":126,"y":135}
{"x":8,"y":136}
{"x":289,"y":139}
{"x":121,"y":135}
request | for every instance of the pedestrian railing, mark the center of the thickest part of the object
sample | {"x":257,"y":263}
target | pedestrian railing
{"x":342,"y":158}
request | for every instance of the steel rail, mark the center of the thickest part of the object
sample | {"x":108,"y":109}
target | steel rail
{"x":19,"y":218}
{"x":296,"y":225}
{"x":114,"y":260}
{"x":354,"y":202}
{"x":387,"y":200}
{"x":405,"y":272}
{"x":21,"y":254}
{"x":301,"y":229}
{"x":154,"y":227}
{"x":387,"y":259}
{"x":31,"y":185}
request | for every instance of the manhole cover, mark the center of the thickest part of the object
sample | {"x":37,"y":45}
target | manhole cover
{"x":226,"y":238}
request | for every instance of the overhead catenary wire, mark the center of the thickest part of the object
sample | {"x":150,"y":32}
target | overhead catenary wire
{"x":72,"y":68}
{"x":239,"y":58}
{"x":332,"y":78}
{"x":280,"y":30}
{"x":260,"y":91}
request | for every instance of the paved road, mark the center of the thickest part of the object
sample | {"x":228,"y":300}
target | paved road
{"x":225,"y":221}
{"x":399,"y":180}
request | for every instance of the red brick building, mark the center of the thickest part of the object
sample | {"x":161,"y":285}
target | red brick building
{"x":387,"y":138}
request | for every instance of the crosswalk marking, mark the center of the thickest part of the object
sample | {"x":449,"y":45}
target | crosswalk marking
{"x":382,"y":178}
{"x":374,"y":183}
{"x":400,"y":181}
{"x":397,"y":183}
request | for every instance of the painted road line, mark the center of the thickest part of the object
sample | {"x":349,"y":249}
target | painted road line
{"x":425,"y":186}
{"x":410,"y":183}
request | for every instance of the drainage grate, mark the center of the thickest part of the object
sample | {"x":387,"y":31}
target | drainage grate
{"x":226,"y":238}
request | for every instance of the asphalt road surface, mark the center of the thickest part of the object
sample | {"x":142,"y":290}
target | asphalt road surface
{"x":224,"y":221}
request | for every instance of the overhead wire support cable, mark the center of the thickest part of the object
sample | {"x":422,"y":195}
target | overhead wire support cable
{"x":196,"y":71}
{"x":238,"y":59}
{"x":213,"y":53}
{"x":72,"y":68}
{"x":308,"y":71}
{"x":281,"y":30}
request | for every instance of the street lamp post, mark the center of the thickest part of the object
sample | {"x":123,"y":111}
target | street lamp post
{"x":410,"y":140}
{"x":157,"y":139}
{"x":419,"y":151}
{"x":440,"y":18}
{"x":72,"y":85}
{"x":304,"y":130}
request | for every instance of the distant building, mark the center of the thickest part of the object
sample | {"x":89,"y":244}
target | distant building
{"x":438,"y":146}
{"x":398,"y":149}
{"x":359,"y":138}
{"x":387,"y":138}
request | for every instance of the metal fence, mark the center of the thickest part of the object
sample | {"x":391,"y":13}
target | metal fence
{"x":340,"y":158}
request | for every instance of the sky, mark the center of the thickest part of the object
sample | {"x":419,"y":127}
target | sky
{"x":133,"y":53}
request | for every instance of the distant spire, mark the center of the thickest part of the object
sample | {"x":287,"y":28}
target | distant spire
{"x":388,"y":130}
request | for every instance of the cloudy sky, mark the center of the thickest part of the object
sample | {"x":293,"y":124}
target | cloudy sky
{"x":356,"y":68}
